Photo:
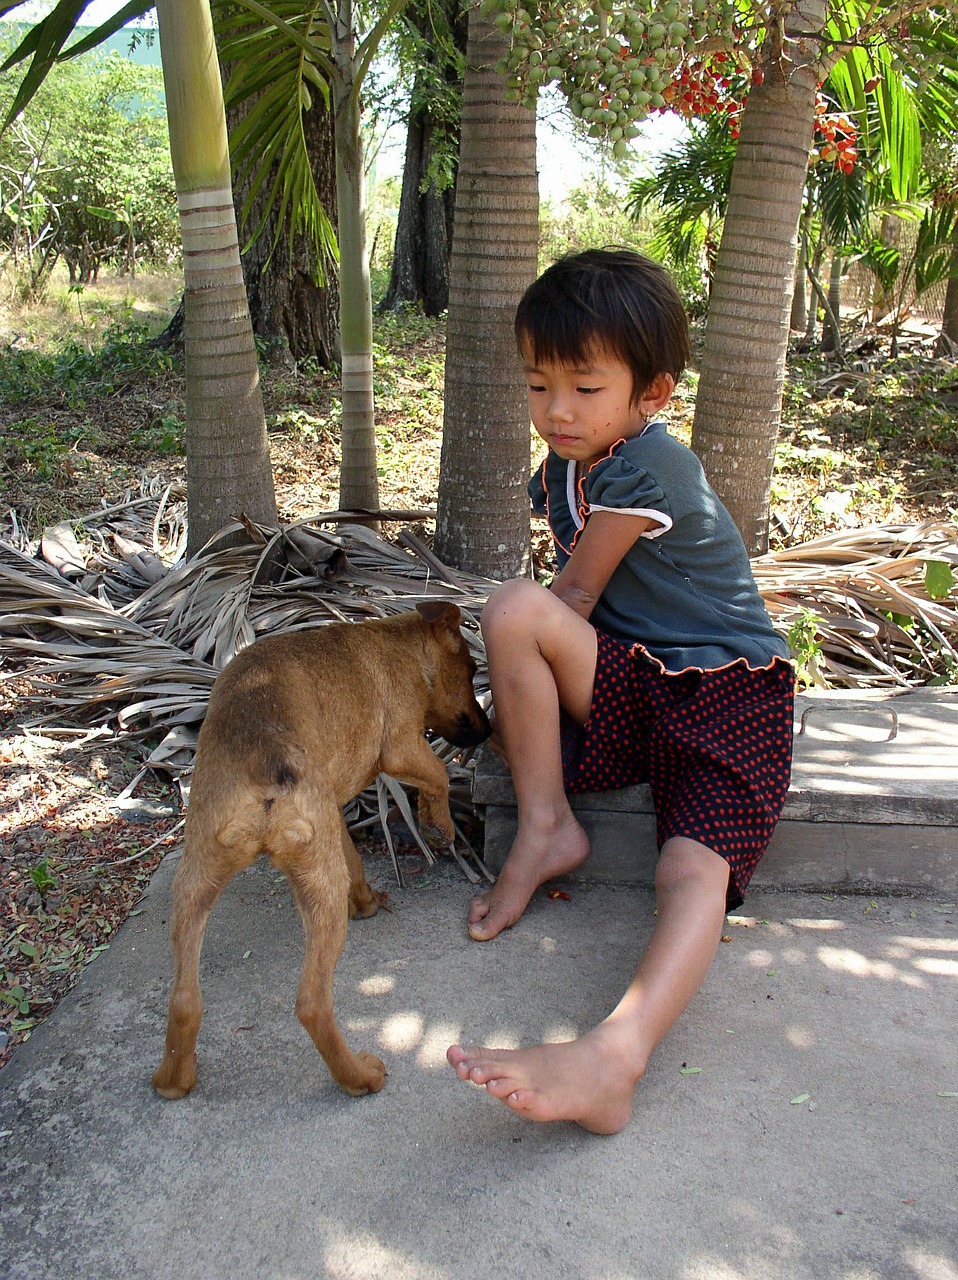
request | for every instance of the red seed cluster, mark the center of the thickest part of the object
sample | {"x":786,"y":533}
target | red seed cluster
{"x":720,"y":84}
{"x":704,"y":87}
{"x":835,"y":137}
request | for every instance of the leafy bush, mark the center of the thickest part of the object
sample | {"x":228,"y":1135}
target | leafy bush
{"x":73,"y":371}
{"x":85,"y":173}
{"x":589,"y":218}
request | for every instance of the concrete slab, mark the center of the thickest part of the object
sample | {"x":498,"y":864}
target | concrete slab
{"x":817,"y":1140}
{"x":873,"y":802}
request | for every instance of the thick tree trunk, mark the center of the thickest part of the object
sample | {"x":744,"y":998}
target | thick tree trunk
{"x":420,"y":267}
{"x":227,"y":453}
{"x":292,"y":314}
{"x":739,"y":401}
{"x":172,"y":335}
{"x":483,"y":516}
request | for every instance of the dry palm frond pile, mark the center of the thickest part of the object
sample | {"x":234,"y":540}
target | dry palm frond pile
{"x":110,"y":635}
{"x":869,"y":608}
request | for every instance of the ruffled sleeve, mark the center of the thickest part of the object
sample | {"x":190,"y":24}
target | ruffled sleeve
{"x":616,"y":484}
{"x":537,"y":491}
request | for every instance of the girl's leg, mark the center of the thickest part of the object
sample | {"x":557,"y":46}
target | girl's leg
{"x":541,"y":656}
{"x":592,"y":1080}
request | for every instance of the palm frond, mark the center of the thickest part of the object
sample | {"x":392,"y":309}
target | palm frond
{"x":937,"y":234}
{"x":146,"y":666}
{"x":844,"y":204}
{"x":280,"y":60}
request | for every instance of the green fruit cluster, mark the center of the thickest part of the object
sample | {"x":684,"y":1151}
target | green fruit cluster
{"x":613,"y":62}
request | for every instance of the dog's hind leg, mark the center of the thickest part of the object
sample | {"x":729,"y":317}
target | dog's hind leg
{"x":363,"y":901}
{"x":198,"y":882}
{"x":320,"y":881}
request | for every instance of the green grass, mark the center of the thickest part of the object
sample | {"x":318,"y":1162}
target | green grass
{"x":75,"y":370}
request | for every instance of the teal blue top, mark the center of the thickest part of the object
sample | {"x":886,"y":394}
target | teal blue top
{"x":684,"y":592}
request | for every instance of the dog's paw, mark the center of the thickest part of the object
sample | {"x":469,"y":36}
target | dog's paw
{"x":368,"y":1075}
{"x":438,"y":838}
{"x":174,"y":1078}
{"x":364,"y":905}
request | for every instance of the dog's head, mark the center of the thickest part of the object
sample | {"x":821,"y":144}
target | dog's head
{"x":453,"y":711}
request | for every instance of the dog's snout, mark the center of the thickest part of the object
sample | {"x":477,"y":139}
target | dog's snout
{"x":471,"y":728}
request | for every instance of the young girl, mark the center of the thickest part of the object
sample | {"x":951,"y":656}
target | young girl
{"x":651,"y":658}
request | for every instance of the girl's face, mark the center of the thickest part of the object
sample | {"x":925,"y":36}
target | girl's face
{"x":582,"y":411}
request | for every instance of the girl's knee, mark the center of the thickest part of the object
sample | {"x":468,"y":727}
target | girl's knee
{"x":685,"y":861}
{"x":514,"y":606}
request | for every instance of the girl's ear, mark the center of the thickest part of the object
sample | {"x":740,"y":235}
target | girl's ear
{"x":657,"y":394}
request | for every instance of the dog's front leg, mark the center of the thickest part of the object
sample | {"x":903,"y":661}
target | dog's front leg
{"x":418,"y":765}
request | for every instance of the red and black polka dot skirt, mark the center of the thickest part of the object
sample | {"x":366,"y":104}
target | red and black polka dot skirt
{"x":714,"y":746}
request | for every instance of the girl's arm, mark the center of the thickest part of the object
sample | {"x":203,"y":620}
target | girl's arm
{"x":603,"y":542}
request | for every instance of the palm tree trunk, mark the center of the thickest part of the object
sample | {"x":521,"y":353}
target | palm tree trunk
{"x":227,"y":453}
{"x":813,"y":266}
{"x":358,"y":477}
{"x":798,"y":317}
{"x":483,"y":516}
{"x":739,"y":401}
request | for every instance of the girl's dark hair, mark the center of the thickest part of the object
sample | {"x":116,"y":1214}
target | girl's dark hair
{"x":614,"y":300}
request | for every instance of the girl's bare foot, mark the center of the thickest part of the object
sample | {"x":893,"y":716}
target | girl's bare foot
{"x":535,"y":857}
{"x":590,"y":1081}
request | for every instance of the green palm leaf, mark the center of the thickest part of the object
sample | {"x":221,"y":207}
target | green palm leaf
{"x":280,"y":58}
{"x":42,"y":44}
{"x":690,"y":185}
{"x":843,"y":203}
{"x":933,"y":252}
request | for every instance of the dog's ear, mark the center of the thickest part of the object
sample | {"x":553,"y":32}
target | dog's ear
{"x":436,"y":610}
{"x":444,"y":620}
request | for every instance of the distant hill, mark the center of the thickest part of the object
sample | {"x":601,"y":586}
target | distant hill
{"x":146,"y":53}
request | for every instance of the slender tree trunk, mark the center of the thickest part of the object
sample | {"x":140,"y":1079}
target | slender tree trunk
{"x":948,"y":338}
{"x":831,"y":329}
{"x":739,"y":401}
{"x":798,"y":316}
{"x":483,"y":515}
{"x":358,"y":477}
{"x":812,"y":268}
{"x":227,"y":454}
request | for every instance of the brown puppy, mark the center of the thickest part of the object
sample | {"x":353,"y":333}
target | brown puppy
{"x":298,"y":725}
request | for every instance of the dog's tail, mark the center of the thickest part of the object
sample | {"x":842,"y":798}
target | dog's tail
{"x":270,"y":815}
